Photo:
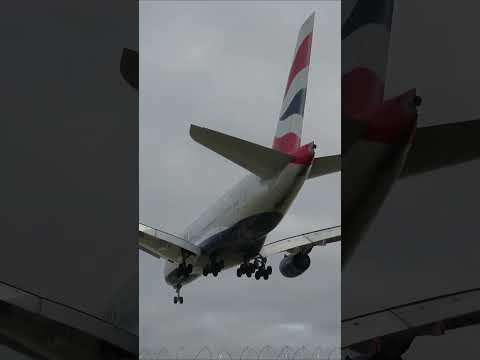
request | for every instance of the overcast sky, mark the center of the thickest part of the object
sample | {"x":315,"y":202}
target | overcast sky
{"x":224,"y":66}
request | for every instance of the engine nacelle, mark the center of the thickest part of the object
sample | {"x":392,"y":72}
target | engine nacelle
{"x":294,"y":265}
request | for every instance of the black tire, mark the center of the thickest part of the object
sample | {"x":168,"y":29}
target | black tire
{"x":205,"y":272}
{"x":269,"y":270}
{"x":239,"y":272}
{"x":265,"y":275}
{"x":257,"y":275}
{"x":180,"y":299}
{"x":175,"y":300}
{"x":215,"y":272}
{"x":189,"y":268}
{"x":249,"y":274}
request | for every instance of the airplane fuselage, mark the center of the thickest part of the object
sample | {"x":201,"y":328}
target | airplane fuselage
{"x":364,"y":193}
{"x":371,"y":167}
{"x":235,"y":227}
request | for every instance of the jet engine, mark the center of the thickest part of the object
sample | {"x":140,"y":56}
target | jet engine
{"x":294,"y":265}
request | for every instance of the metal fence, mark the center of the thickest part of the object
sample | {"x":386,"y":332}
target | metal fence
{"x":266,"y":352}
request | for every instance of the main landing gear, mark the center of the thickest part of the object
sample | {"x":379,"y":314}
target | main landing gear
{"x":257,"y":266}
{"x":185,"y":269}
{"x":178,"y":298}
{"x":214,"y":267}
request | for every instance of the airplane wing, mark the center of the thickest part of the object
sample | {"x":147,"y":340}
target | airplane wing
{"x":295,"y":244}
{"x":30,"y":321}
{"x":431,"y":316}
{"x":164,"y":245}
{"x":443,"y":145}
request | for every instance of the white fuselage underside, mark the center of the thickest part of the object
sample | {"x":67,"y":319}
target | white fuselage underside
{"x":250,"y":199}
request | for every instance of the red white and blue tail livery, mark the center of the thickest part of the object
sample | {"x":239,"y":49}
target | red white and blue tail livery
{"x":289,"y":127}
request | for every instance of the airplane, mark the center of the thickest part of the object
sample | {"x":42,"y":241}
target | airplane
{"x":383,"y":136}
{"x":381,"y":144}
{"x":233,"y":231}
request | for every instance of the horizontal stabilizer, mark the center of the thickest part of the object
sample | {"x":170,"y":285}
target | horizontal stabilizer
{"x":439,"y":146}
{"x":259,"y":160}
{"x":325,"y":165}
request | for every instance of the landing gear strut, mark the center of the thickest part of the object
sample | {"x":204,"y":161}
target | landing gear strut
{"x":214,"y":267}
{"x":178,"y":298}
{"x":258,"y":266}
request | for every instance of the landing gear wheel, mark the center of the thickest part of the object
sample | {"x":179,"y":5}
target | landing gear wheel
{"x":257,"y":266}
{"x":205,"y":271}
{"x":178,"y":298}
{"x":215,"y":267}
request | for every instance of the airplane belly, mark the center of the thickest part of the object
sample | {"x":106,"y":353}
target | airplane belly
{"x":245,"y":238}
{"x":244,"y":231}
{"x":241,"y":241}
{"x":235,"y":228}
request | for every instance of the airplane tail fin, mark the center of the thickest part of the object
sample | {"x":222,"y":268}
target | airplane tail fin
{"x":289,"y":128}
{"x":365,"y":42}
{"x":259,"y":160}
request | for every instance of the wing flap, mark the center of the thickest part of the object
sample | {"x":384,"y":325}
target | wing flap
{"x":297,"y":243}
{"x":452,"y":310}
{"x":164,"y":245}
{"x":444,"y":145}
